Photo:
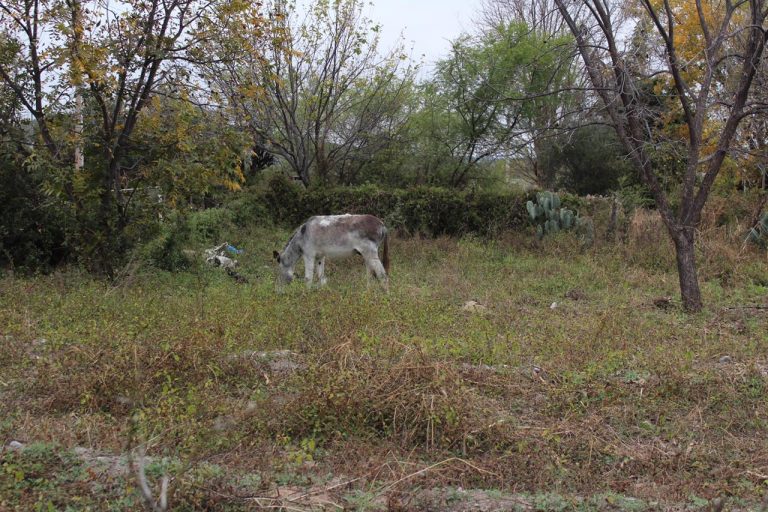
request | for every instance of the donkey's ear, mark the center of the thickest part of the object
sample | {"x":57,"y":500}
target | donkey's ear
{"x":276,"y":255}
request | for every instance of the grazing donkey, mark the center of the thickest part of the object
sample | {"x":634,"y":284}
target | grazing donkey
{"x":335,"y":236}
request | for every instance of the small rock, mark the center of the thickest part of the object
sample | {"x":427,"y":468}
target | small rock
{"x":539,"y":373}
{"x":474,"y":307}
{"x":726,"y":359}
{"x":123,"y":400}
{"x":553,"y":305}
{"x":276,"y":361}
{"x":222,"y":423}
{"x":15,"y":445}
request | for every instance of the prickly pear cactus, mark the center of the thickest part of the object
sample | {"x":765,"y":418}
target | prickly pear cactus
{"x":548,"y":216}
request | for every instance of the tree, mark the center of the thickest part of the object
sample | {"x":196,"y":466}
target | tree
{"x":713,"y":97}
{"x":192,"y":152}
{"x":486,"y":96}
{"x":317,"y":94}
{"x":554,"y":116}
{"x":588,"y":160}
{"x":113,"y":57}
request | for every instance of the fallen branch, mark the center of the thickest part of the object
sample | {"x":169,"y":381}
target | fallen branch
{"x":429,"y":468}
{"x":160,"y":505}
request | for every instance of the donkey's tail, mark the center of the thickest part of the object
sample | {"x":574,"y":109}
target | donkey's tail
{"x":385,"y":258}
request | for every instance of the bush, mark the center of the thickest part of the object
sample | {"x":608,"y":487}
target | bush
{"x":208,"y":225}
{"x":282,"y":199}
{"x":429,"y":211}
{"x":32,"y":225}
{"x":165,"y":251}
{"x":648,"y":244}
{"x":248,"y":209}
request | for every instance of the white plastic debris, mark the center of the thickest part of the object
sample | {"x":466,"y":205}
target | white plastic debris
{"x":216,"y":256}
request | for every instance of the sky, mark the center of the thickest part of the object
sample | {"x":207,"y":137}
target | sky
{"x":427,"y":25}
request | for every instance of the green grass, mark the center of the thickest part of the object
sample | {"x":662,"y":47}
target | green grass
{"x":632,"y":401}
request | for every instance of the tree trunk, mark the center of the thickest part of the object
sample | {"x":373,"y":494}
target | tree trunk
{"x":686,"y":269}
{"x":303,"y":174}
{"x":79,"y":158}
{"x":322,"y":165}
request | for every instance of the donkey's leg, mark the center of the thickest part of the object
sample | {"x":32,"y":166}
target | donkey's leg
{"x":378,"y":270}
{"x":309,"y":268}
{"x":321,"y":271}
{"x":375,"y":267}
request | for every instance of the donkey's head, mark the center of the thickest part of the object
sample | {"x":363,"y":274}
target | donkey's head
{"x":285,"y":269}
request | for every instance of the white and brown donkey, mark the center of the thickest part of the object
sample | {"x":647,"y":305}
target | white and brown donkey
{"x":335,"y":236}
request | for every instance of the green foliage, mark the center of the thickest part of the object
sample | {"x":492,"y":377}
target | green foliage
{"x":32,"y":225}
{"x":283,"y":198}
{"x":165,"y":251}
{"x":589,"y":161}
{"x":484,"y":93}
{"x":758,"y":234}
{"x":550,"y":216}
{"x":209,"y":225}
{"x":168,"y":250}
{"x":46,"y":477}
{"x":431,"y":211}
{"x":191,"y":153}
{"x":248,"y":209}
{"x":634,"y":195}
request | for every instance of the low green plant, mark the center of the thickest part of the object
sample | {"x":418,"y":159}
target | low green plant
{"x":758,"y":234}
{"x":364,"y":500}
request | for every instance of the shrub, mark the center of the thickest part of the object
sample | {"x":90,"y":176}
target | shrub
{"x":165,"y":251}
{"x":248,"y":209}
{"x":429,"y":211}
{"x":282,"y":199}
{"x":33,"y":225}
{"x":208,"y":225}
